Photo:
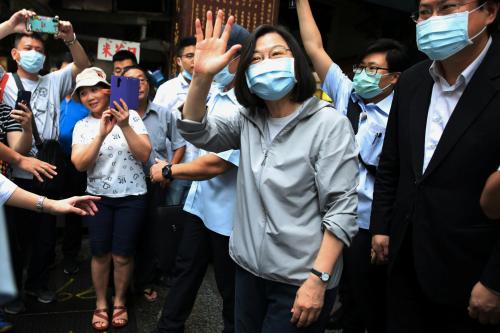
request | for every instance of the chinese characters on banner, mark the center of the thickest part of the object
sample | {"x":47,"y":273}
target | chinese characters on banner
{"x":106,"y":48}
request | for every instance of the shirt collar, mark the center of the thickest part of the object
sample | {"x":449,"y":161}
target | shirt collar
{"x":465,"y":76}
{"x":182,"y":79}
{"x":384,"y":105}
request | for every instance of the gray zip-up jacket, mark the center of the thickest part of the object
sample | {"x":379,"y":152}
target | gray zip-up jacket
{"x":289,"y":189}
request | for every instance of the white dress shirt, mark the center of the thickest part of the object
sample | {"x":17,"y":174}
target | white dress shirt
{"x":444,"y":99}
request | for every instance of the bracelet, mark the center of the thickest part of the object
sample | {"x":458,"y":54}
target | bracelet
{"x":71,"y":42}
{"x":39,"y":203}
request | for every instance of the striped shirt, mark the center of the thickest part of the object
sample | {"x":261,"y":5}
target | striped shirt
{"x":7,"y":123}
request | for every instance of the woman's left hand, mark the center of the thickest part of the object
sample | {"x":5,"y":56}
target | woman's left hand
{"x":308,"y":302}
{"x":121,"y":114}
{"x":83,"y":206}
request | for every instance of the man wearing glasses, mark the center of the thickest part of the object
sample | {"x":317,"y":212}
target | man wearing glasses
{"x":366,"y":101}
{"x":442,"y":142}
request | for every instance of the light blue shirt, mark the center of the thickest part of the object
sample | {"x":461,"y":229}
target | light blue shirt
{"x":214,"y":200}
{"x":370,"y":136}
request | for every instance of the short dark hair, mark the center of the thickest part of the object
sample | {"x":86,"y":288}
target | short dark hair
{"x":183,"y":42}
{"x":124,"y":55}
{"x":396,"y":54}
{"x":66,"y":57}
{"x":306,"y":85}
{"x":492,"y":28}
{"x":34,"y":35}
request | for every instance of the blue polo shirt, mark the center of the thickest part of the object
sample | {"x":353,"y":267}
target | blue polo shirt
{"x":214,"y":200}
{"x":370,"y":136}
{"x":71,"y":113}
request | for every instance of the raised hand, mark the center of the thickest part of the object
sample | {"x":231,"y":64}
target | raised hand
{"x":107,"y":123}
{"x":17,"y":21}
{"x":210,"y":55}
{"x":120,"y":113}
{"x":66,"y":32}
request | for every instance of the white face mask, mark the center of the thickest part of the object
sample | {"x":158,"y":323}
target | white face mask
{"x":31,"y":61}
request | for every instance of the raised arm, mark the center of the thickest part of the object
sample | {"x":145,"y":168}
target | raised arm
{"x":209,"y":58}
{"x":311,"y":38}
{"x":80,"y":59}
{"x":16,"y":23}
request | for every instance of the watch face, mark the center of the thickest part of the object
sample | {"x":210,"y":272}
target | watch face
{"x":325,"y":277}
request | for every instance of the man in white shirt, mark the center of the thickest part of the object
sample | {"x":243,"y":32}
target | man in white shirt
{"x":46,"y":94}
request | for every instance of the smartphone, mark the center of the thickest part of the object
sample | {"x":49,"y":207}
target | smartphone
{"x":45,"y":24}
{"x":23,"y":97}
{"x":126,"y":88}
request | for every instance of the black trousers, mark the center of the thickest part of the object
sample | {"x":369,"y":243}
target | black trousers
{"x":410,"y":310}
{"x":363,"y":290}
{"x":264,"y":306}
{"x":198,"y":245}
{"x":32,"y":238}
{"x":146,"y":262}
{"x":72,"y":240}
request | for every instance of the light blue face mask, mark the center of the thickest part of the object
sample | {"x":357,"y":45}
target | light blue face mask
{"x":440,"y":37}
{"x":31,"y":61}
{"x":187,"y":75}
{"x":367,"y":86}
{"x":272,"y":79}
{"x":224,"y":77}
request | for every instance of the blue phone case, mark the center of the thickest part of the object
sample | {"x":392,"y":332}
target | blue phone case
{"x":44,"y":24}
{"x":126,"y":88}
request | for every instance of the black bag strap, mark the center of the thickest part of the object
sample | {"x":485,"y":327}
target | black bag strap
{"x":36,"y":135}
{"x":353,"y":114}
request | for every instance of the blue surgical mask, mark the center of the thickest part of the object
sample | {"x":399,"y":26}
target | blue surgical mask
{"x":440,"y":37}
{"x":272,"y":79}
{"x":187,"y":75}
{"x":367,"y":86}
{"x":224,"y":77}
{"x":31,"y":61}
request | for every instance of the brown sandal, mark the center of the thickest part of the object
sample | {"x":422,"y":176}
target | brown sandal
{"x":124,"y":321}
{"x":102,"y":314}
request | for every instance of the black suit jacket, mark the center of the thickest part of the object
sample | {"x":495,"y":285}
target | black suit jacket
{"x":454,"y":244}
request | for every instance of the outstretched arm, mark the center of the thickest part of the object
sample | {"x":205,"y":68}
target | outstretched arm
{"x":202,"y":168}
{"x":311,"y":38}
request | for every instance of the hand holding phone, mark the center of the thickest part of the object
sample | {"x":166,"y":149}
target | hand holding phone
{"x":18,"y":20}
{"x":24,"y":98}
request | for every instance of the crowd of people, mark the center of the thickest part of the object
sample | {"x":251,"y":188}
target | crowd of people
{"x":386,"y":199}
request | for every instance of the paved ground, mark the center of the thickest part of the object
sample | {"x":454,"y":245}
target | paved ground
{"x":72,"y":313}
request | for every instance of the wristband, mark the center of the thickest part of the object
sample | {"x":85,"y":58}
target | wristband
{"x":39,"y":203}
{"x":71,"y":42}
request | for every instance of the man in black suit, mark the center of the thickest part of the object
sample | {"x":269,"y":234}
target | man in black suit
{"x":442,"y":143}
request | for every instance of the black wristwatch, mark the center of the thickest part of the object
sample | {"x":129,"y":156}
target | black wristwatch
{"x":166,"y":172}
{"x":323,"y":276}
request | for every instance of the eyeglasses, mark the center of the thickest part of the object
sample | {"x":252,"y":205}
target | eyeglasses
{"x":369,"y":70}
{"x":275,"y":52}
{"x":447,"y":8}
{"x":188,"y":56}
